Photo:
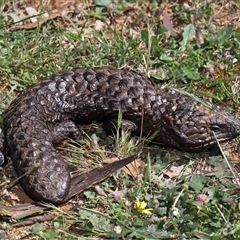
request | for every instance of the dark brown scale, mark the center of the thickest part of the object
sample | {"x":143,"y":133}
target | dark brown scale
{"x":44,"y":115}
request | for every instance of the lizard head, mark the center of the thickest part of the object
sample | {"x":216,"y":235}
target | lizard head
{"x":189,"y":125}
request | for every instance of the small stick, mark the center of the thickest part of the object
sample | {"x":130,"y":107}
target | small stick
{"x":229,"y":166}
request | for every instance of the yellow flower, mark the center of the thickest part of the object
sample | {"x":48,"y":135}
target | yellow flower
{"x":141,"y":207}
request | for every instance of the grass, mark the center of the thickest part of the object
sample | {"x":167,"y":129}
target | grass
{"x":210,"y":69}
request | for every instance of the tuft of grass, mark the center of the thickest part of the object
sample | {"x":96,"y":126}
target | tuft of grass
{"x":96,"y":146}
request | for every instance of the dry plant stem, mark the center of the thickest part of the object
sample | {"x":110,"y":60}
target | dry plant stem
{"x":225,"y":220}
{"x":177,"y":198}
{"x":36,"y":219}
{"x":224,"y":156}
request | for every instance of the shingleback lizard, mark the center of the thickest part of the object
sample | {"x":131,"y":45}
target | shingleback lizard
{"x":45,"y":114}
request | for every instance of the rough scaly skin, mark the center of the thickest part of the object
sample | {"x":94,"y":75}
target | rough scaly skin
{"x":42,"y":116}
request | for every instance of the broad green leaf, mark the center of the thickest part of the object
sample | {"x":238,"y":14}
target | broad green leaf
{"x":188,"y":34}
{"x":197,"y":182}
{"x":156,"y":48}
{"x":104,"y":3}
{"x":89,"y":194}
{"x":166,"y":58}
{"x":223,"y":35}
{"x":37,"y":227}
{"x":237,"y":36}
{"x":191,"y":74}
{"x":144,"y":36}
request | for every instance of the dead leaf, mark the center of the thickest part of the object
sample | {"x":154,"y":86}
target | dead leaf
{"x":31,"y":12}
{"x":99,"y":25}
{"x":110,"y":160}
{"x":66,"y":207}
{"x":43,"y":18}
{"x":133,"y":169}
{"x":167,"y":23}
{"x":174,"y":171}
{"x":199,"y":37}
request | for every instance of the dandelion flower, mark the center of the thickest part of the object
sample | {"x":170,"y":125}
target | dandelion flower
{"x":141,"y":207}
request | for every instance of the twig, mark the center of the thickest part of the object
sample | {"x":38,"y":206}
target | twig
{"x":224,"y":157}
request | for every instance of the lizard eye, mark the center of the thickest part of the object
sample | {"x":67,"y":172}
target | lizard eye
{"x":215,"y":127}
